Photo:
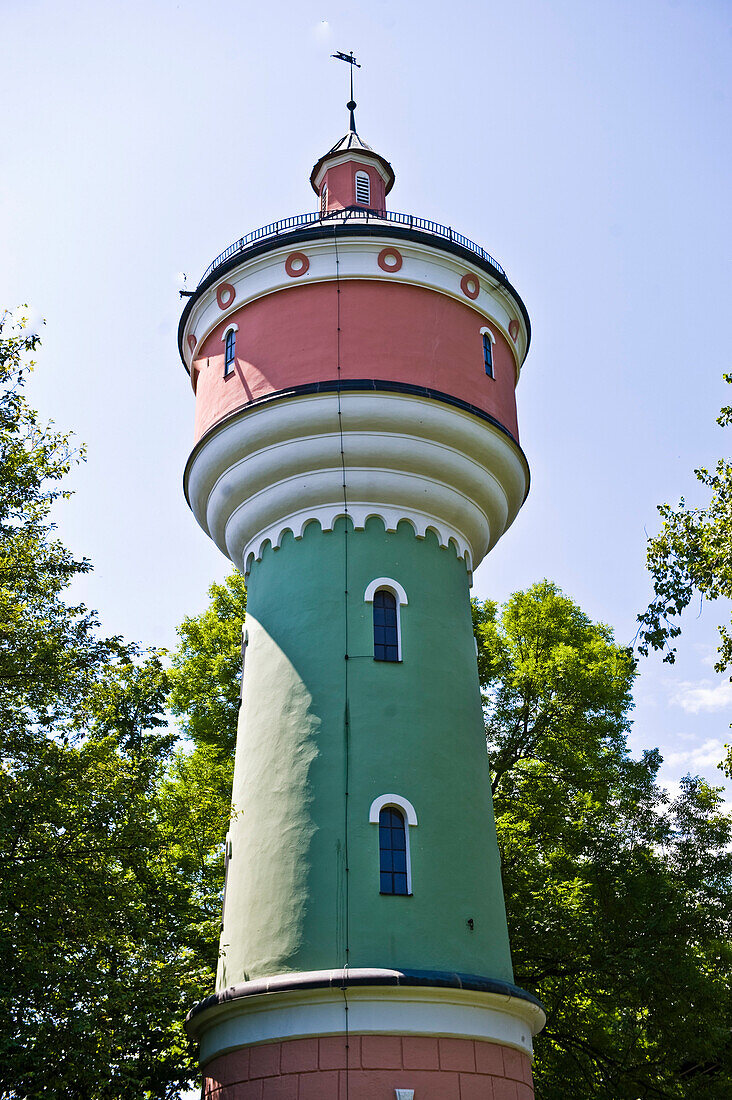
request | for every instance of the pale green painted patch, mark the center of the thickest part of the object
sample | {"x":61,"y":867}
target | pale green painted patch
{"x":415,"y":730}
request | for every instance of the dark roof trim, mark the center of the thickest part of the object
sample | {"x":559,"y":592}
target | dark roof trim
{"x":350,"y":385}
{"x":351,"y":979}
{"x":349,"y":229}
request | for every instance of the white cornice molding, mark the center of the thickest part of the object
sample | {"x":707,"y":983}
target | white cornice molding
{"x":276,"y":467}
{"x":422,"y":265}
{"x":372,"y":1010}
{"x":362,"y":156}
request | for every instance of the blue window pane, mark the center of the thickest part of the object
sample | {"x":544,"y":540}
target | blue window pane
{"x":488,"y":354}
{"x":230,"y":352}
{"x":392,"y":851}
{"x":386,"y":642}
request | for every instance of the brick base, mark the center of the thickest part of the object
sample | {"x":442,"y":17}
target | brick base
{"x":315,"y":1069}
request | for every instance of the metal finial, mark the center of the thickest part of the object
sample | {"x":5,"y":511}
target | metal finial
{"x":351,"y":105}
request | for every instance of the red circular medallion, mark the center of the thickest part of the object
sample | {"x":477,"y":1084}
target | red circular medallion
{"x":296,"y":264}
{"x":191,"y":341}
{"x":470,"y":286}
{"x":513,"y":329}
{"x":390,"y":259}
{"x":225,"y":295}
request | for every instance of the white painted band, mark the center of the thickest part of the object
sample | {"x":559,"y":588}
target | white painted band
{"x":432,"y":268}
{"x":277,"y":467}
{"x":372,"y":1010}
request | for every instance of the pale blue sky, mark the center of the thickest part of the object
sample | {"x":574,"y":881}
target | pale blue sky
{"x":586,"y":146}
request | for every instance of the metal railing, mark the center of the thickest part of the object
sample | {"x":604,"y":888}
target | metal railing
{"x":289,"y":225}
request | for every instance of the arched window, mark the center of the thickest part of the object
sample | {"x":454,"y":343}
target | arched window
{"x":386,"y":633}
{"x":394,"y":815}
{"x":392,"y":852}
{"x":488,"y":342}
{"x":387,"y":596}
{"x":230,"y":353}
{"x":363,"y":188}
{"x":324,"y":201}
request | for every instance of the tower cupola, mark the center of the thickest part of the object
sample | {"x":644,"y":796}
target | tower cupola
{"x":351,"y":173}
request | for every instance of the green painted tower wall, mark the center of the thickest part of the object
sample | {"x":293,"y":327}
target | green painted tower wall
{"x":415,"y":729}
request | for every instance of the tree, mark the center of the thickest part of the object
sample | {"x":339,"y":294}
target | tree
{"x":205,"y":694}
{"x":105,"y":940}
{"x":206,"y":673}
{"x":619,"y":902}
{"x":691,"y":553}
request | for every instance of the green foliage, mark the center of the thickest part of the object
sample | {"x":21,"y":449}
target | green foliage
{"x":105,"y":936}
{"x":205,"y":695}
{"x":102,"y":947}
{"x":111,"y":829}
{"x":691,"y":553}
{"x":48,"y":650}
{"x":619,"y":903}
{"x":206,"y":674}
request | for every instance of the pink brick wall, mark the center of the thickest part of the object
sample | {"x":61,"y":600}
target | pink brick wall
{"x":315,"y":1069}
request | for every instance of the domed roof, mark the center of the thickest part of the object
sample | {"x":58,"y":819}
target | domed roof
{"x":351,"y":140}
{"x":352,"y":143}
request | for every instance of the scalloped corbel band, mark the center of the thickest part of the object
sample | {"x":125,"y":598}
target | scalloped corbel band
{"x":276,"y":467}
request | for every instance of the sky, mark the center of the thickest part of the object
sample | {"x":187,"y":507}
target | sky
{"x":586,"y":146}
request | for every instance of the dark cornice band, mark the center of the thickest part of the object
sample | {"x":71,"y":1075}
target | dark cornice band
{"x":360,"y":978}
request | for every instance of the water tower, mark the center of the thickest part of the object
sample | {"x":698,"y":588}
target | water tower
{"x":356,"y":456}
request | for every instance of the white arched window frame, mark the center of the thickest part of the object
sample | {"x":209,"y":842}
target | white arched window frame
{"x":229,"y":362}
{"x":410,"y":818}
{"x":489,"y":343}
{"x":363,"y":188}
{"x":388,"y":584}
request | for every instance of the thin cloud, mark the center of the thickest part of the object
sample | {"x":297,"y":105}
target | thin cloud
{"x":706,"y":755}
{"x":322,"y":31}
{"x":694,"y":696}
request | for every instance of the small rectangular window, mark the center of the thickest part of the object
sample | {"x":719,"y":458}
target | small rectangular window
{"x":488,"y":354}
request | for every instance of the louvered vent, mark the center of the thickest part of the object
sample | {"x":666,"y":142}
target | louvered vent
{"x":363,"y":188}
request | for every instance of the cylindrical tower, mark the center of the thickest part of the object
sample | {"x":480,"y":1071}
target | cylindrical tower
{"x":356,"y":456}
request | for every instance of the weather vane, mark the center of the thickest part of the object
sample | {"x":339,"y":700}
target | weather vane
{"x":351,"y":105}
